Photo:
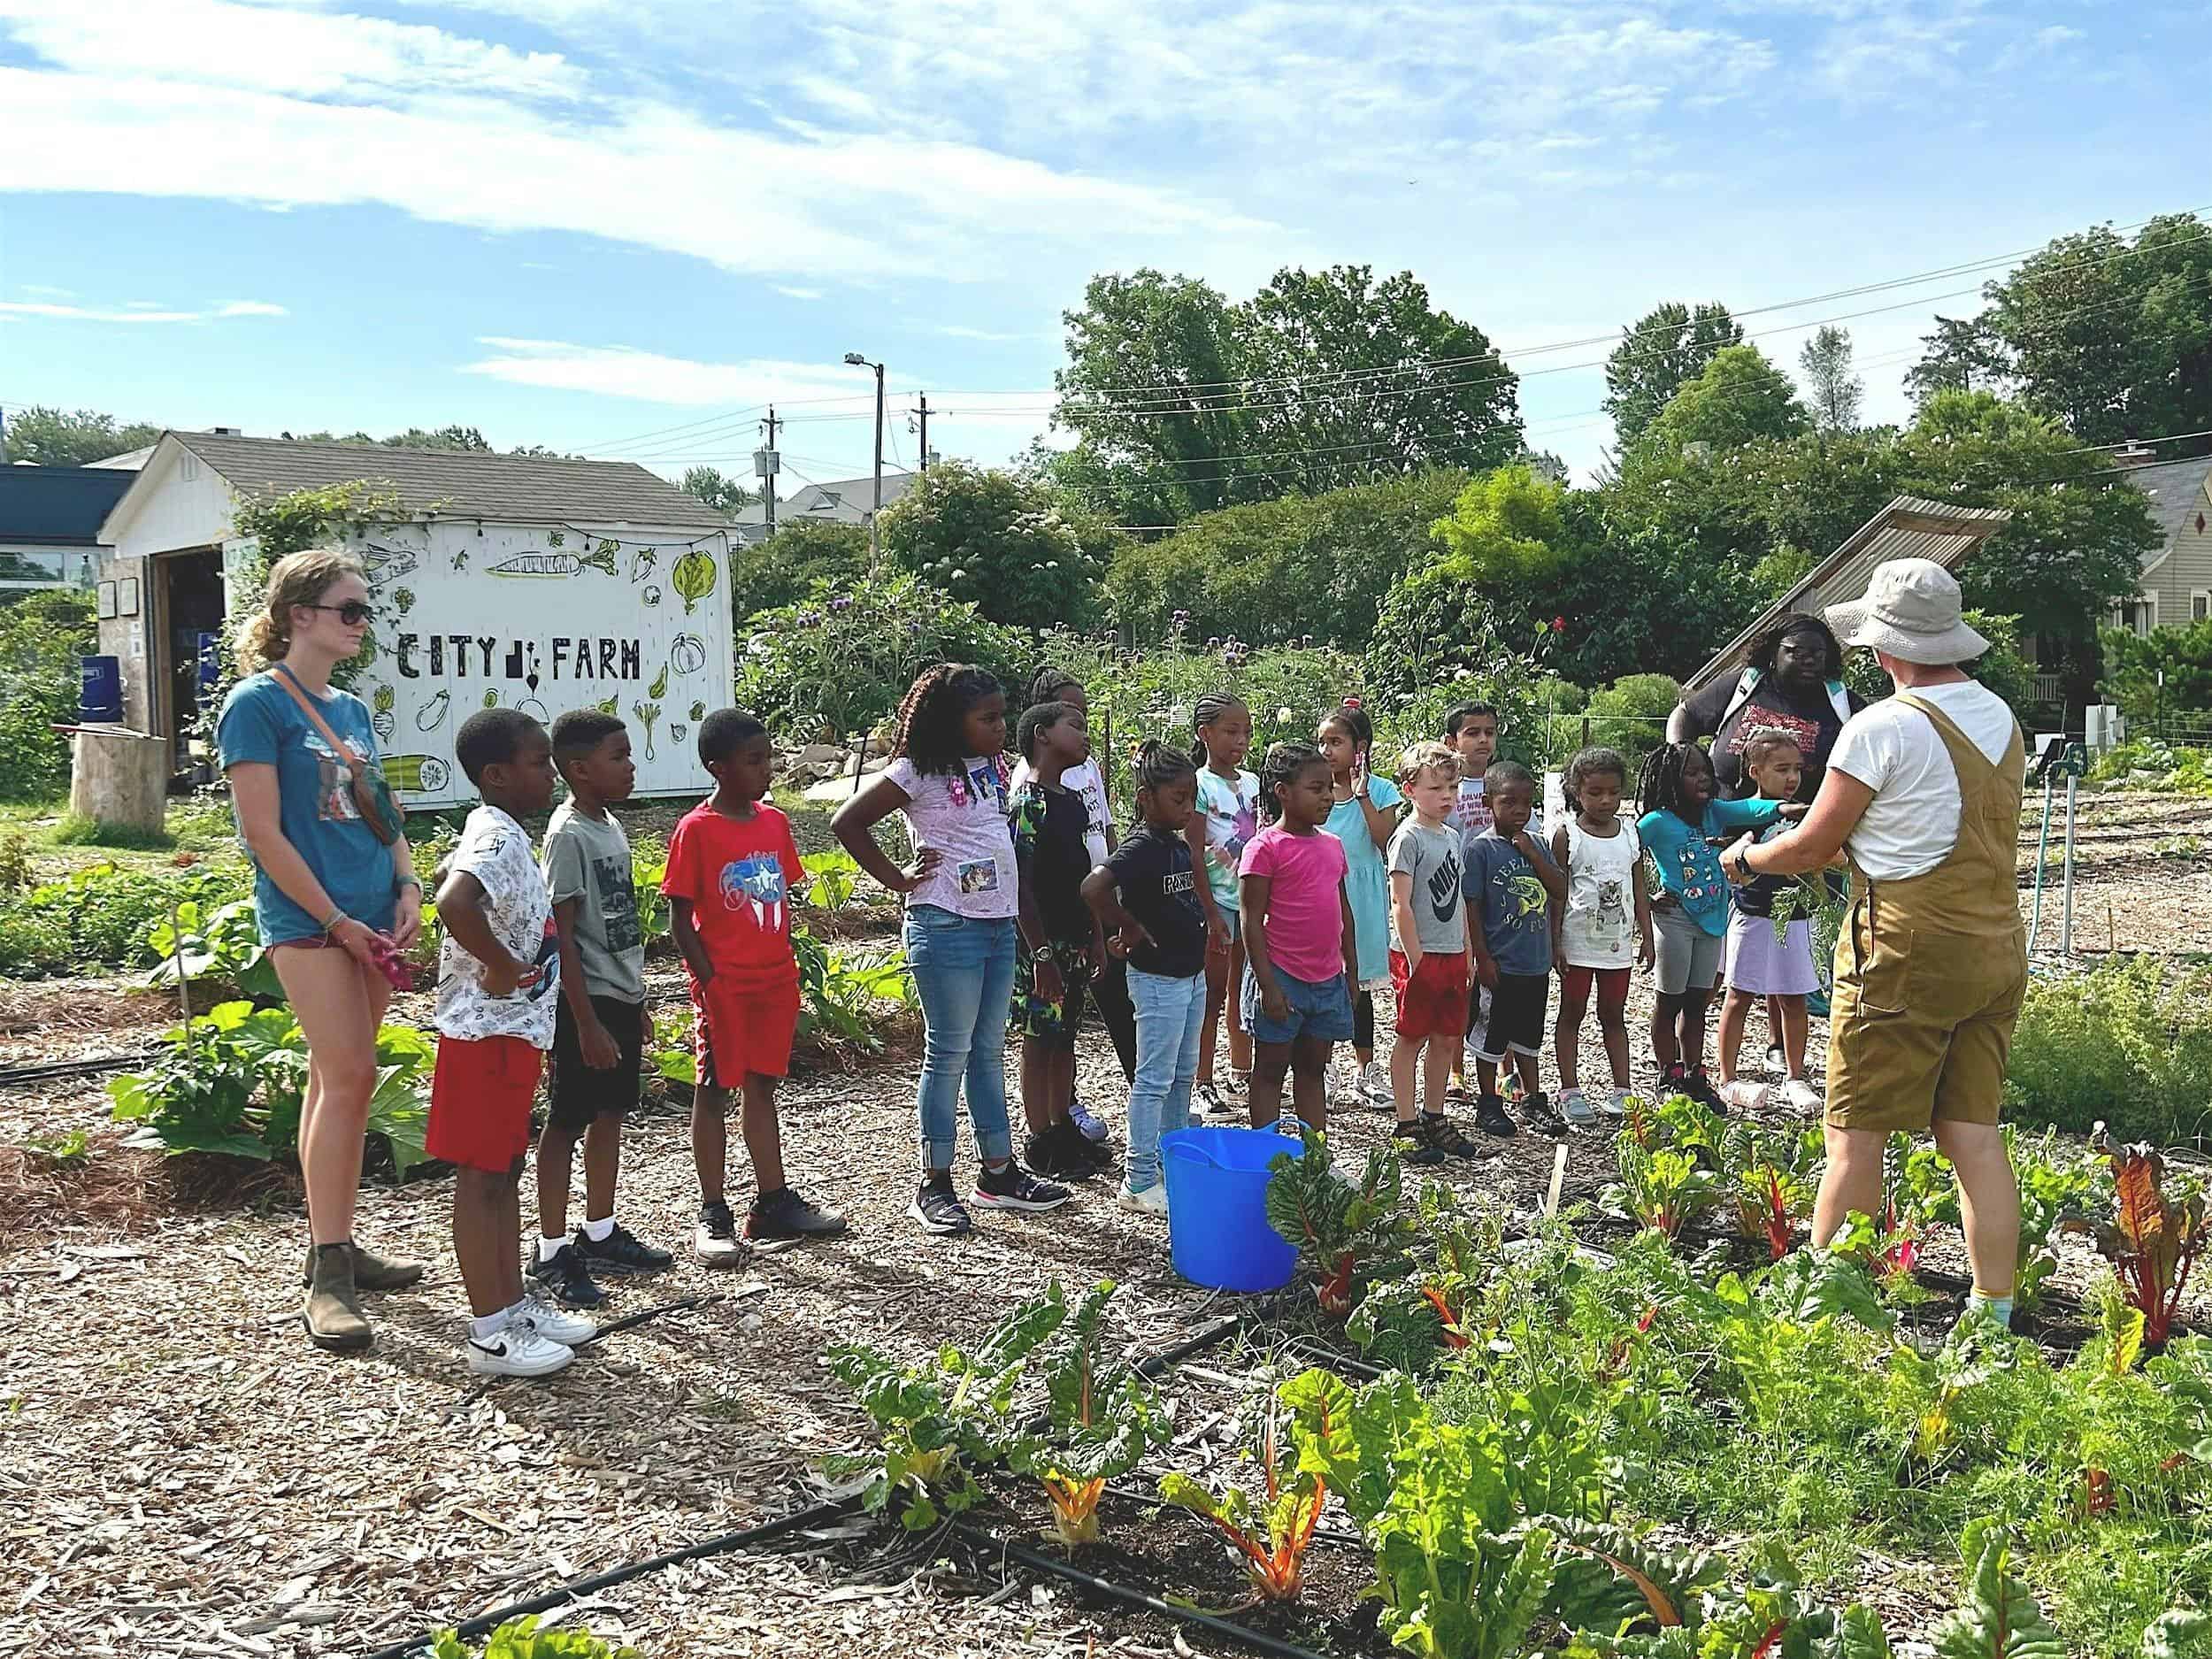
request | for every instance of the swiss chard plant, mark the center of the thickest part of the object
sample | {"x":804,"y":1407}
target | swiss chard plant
{"x":1269,"y":1536}
{"x":2055,"y":1187}
{"x":941,"y":1417}
{"x":1103,"y":1419}
{"x":1662,"y":1188}
{"x":2155,"y":1236}
{"x":1338,"y":1227}
{"x":1997,"y":1616}
{"x":1407,"y":1323}
{"x":521,"y":1638}
{"x":1770,"y":1176}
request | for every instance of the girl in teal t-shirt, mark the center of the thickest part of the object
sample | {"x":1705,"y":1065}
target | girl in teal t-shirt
{"x":1365,"y":814}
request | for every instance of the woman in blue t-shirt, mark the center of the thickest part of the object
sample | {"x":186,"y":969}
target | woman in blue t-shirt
{"x":329,"y":897}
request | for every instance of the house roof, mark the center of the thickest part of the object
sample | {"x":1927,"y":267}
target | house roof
{"x":849,"y":499}
{"x":1909,"y":527}
{"x":459,"y":483}
{"x":2176,"y":490}
{"x":57,"y":506}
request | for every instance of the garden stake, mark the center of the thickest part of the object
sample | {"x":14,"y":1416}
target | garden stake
{"x":2042,"y":862}
{"x":1558,"y":1174}
{"x":2066,"y":926}
{"x":184,"y":985}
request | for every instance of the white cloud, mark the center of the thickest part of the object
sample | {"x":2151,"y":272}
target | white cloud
{"x":652,"y":377}
{"x":136,"y":311}
{"x":798,"y":294}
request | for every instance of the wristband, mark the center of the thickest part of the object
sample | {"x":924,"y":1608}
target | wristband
{"x":331,"y":922}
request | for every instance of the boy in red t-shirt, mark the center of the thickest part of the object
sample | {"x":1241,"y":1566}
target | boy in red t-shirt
{"x":732,"y":864}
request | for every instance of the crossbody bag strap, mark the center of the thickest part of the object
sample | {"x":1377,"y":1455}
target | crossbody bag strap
{"x":341,"y":751}
{"x":1747,"y":683}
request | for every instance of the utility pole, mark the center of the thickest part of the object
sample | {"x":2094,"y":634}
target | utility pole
{"x":924,"y":432}
{"x":854,"y":359}
{"x":766,"y":465}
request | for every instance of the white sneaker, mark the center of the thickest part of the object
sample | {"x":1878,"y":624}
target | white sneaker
{"x":1344,"y":1089}
{"x":520,"y":1349}
{"x":1575,"y":1106}
{"x":1615,"y":1102}
{"x":1798,"y":1096}
{"x":555,"y":1324}
{"x":1374,"y":1082}
{"x":1742,"y":1094}
{"x":1151,"y":1202}
{"x":1775,"y":1062}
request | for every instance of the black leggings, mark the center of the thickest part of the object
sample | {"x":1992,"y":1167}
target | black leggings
{"x":1110,"y":995}
{"x":1364,"y":1021}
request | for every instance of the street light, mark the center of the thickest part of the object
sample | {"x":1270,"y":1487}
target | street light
{"x":860,"y":362}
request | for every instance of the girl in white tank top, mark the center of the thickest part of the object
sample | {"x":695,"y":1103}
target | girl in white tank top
{"x":1599,"y":929}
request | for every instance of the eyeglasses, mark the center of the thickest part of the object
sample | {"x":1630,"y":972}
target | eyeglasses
{"x":352,"y":613}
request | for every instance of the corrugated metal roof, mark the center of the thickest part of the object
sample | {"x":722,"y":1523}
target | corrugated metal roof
{"x":1909,"y":527}
{"x":57,"y":506}
{"x":461,"y":483}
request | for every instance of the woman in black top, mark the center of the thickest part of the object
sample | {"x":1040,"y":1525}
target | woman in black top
{"x":1795,"y":675}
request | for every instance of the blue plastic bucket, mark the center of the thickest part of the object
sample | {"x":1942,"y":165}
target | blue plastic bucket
{"x":1216,"y":1206}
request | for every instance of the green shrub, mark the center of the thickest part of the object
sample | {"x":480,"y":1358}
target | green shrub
{"x":1631,"y":714}
{"x":2166,"y":671}
{"x":779,"y":570}
{"x":837,"y":663}
{"x":2126,"y":1043}
{"x":41,"y":636}
{"x":999,"y":542}
{"x":32,"y":945}
{"x":521,"y":1638}
{"x":106,"y":914}
{"x":2175,"y":770}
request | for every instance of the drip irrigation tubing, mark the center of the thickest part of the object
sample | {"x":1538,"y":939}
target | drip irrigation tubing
{"x":14,"y":1074}
{"x":745,"y":1537}
{"x":1036,"y":1561}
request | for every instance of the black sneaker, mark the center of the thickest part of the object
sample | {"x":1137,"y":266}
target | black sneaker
{"x":1699,"y":1088}
{"x":1440,"y":1134}
{"x":1536,"y":1112}
{"x":565,"y":1279}
{"x":1011,"y":1186}
{"x":1675,"y":1080}
{"x":783,"y":1217}
{"x":936,"y":1208}
{"x":1492,"y":1120}
{"x":1417,"y":1147}
{"x":715,"y":1240}
{"x":621,"y":1251}
{"x":1062,"y":1153}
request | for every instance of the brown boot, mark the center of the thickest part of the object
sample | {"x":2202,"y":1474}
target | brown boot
{"x":370,"y":1271}
{"x":332,"y":1310}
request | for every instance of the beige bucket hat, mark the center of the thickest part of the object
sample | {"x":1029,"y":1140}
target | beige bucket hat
{"x":1911,"y":610}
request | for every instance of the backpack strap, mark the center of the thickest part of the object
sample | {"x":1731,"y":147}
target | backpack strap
{"x":1840,"y":699}
{"x":1747,"y":683}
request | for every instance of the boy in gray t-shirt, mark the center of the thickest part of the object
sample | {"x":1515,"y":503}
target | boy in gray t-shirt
{"x":1428,"y":951}
{"x":600,"y":1029}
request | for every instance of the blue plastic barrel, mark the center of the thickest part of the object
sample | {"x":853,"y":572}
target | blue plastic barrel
{"x":1217,"y":1231}
{"x":100,"y":690}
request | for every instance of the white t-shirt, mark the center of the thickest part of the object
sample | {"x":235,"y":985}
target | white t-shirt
{"x":1087,"y":781}
{"x":1912,"y":823}
{"x":963,"y":815}
{"x":1599,"y":925}
{"x":495,"y":850}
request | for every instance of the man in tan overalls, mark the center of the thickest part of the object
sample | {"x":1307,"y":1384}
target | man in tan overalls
{"x":1922,"y":792}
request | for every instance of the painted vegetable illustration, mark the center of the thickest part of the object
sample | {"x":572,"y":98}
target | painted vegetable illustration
{"x":608,"y":546}
{"x":384,"y":566}
{"x":553,"y":563}
{"x":659,"y":687}
{"x":676,"y":734}
{"x":643,"y":562}
{"x":532,"y":707}
{"x":432,"y":715}
{"x":556,"y":539}
{"x":383,"y":721}
{"x":413,"y":772}
{"x":699,"y":710}
{"x":491,"y":698}
{"x":652,"y":596}
{"x":404,"y":598}
{"x":687,"y":655}
{"x":461,"y":561}
{"x":646,"y":713}
{"x":612,"y":705}
{"x":693,"y":577}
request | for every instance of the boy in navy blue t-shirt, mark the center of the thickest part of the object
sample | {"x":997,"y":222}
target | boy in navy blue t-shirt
{"x":1511,"y":884}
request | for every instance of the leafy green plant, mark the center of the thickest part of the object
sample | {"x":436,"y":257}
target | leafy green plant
{"x":15,"y":859}
{"x":843,"y":993}
{"x":833,"y":879}
{"x":235,"y":1080}
{"x":1270,"y":1534}
{"x":42,"y":633}
{"x":2055,"y":1187}
{"x":2153,"y":1239}
{"x":2180,"y":1634}
{"x":1997,"y":1616}
{"x":108,"y":911}
{"x":941,"y":1417}
{"x":2126,"y":1043}
{"x":1662,"y":1188}
{"x":63,"y":1150}
{"x":521,"y":1638}
{"x":1337,"y":1226}
{"x":219,"y":943}
{"x":1769,"y":1175}
{"x":1103,"y":1419}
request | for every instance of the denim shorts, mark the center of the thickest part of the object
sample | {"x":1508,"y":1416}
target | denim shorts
{"x":1319,"y":1009}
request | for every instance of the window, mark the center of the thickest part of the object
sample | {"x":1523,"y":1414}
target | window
{"x":2138,"y":615}
{"x":2199,"y":604}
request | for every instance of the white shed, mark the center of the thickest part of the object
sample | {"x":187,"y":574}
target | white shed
{"x":543,"y":585}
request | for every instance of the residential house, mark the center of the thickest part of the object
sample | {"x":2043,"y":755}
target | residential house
{"x":844,"y":501}
{"x":499,"y":579}
{"x":2177,"y":587}
{"x":49,"y":526}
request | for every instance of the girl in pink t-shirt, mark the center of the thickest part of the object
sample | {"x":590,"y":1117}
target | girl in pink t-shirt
{"x":1298,"y":937}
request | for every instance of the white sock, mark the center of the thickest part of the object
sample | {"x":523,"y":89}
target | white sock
{"x":490,"y":1325}
{"x":600,"y":1231}
{"x":548,"y":1248}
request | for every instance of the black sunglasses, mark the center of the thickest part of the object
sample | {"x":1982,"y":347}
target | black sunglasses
{"x":352,"y":613}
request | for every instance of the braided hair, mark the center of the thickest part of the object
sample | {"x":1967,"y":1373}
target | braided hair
{"x":1281,"y":766}
{"x":1208,"y":710}
{"x":1158,"y":766}
{"x":1659,"y":785}
{"x":1587,"y":762}
{"x":1046,"y":684}
{"x":931,"y":714}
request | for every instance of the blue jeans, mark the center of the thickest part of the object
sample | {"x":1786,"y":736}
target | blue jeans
{"x":1171,"y":1020}
{"x":964,"y":971}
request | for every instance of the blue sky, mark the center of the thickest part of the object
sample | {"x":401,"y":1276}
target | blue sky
{"x":586,"y":222}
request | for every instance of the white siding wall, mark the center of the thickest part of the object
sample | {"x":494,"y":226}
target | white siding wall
{"x":186,"y":505}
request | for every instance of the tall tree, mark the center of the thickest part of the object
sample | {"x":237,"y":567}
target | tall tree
{"x":1184,"y":402}
{"x":1738,"y":397}
{"x":1961,"y":356}
{"x":717,"y":490}
{"x":46,"y":436}
{"x":997,"y":539}
{"x":1659,"y":354}
{"x":1832,"y":393}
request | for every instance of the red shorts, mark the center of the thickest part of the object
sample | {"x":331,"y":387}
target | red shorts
{"x":740,"y":1031}
{"x":1612,"y":988}
{"x":1431,"y":998}
{"x":480,"y":1102}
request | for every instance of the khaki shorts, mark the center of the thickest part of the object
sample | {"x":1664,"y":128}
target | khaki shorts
{"x":1919,"y":1030}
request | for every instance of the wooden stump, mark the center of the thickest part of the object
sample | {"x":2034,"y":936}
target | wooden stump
{"x":119,"y":777}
